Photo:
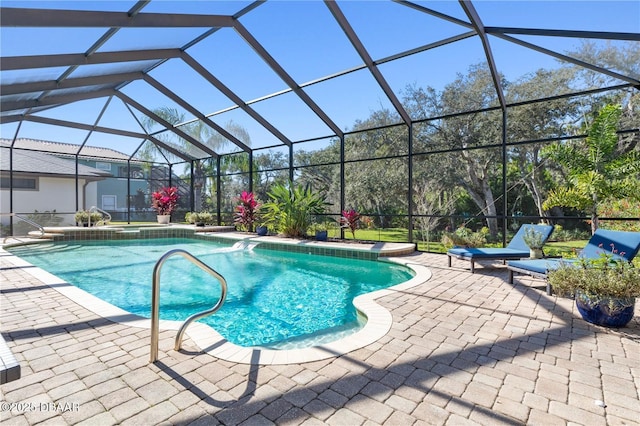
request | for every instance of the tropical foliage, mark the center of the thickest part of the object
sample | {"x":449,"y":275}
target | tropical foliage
{"x":291,"y":209}
{"x":165,"y":200}
{"x":246,"y":213}
{"x":455,"y":160}
{"x":596,"y":170}
{"x":350,"y":219}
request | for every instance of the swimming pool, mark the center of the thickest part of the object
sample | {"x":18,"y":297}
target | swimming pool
{"x":276,"y":299}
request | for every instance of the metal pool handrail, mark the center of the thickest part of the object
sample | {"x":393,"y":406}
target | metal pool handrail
{"x":155,"y":299}
{"x":24,"y":219}
{"x":105,"y":213}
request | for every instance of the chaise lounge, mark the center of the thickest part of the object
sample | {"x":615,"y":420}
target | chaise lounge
{"x":516,"y":249}
{"x":622,"y":245}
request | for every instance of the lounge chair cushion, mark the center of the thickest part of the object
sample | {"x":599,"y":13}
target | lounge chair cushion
{"x":620,"y":244}
{"x":516,"y":248}
{"x":538,"y":266}
{"x":488,"y":253}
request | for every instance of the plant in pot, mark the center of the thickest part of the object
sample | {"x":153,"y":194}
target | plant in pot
{"x":262,"y":230}
{"x":164,"y":202}
{"x":201,"y":218}
{"x":95,"y":218}
{"x":604,"y":288}
{"x":246,"y":212}
{"x":190,"y":218}
{"x":535,"y":240}
{"x":82,"y":218}
{"x":321,"y":230}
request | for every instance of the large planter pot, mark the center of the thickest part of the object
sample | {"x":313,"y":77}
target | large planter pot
{"x":605,"y":311}
{"x":321,"y":235}
{"x":164,"y":219}
{"x":535,"y":253}
{"x":261,"y":230}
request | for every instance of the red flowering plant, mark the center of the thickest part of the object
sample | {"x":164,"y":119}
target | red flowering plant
{"x":350,"y":219}
{"x":165,"y":200}
{"x":246,"y":213}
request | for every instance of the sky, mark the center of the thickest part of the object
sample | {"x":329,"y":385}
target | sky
{"x":308,"y":43}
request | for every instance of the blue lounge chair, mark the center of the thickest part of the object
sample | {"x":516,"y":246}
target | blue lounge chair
{"x":516,"y":249}
{"x":621,"y":245}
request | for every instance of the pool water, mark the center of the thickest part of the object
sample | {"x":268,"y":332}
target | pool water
{"x":275,"y":299}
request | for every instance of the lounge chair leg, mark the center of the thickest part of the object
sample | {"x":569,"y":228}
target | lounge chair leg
{"x":472,"y":267}
{"x":510,"y":276}
{"x":449,"y":259}
{"x":548,"y":288}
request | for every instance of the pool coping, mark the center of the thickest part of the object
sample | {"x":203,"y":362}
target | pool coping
{"x":207,"y":339}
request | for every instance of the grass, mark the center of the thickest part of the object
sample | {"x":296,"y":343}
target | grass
{"x":556,"y":248}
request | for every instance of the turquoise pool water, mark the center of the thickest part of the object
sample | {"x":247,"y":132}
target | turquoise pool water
{"x":276,"y":299}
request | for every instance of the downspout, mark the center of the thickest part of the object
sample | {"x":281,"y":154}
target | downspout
{"x":84,"y":192}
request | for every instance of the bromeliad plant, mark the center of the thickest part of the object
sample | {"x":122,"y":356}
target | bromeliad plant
{"x":350,"y":219}
{"x":246,"y":213}
{"x":165,"y":200}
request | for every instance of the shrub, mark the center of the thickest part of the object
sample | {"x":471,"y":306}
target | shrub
{"x":290,"y":209}
{"x":350,"y":219}
{"x":246,"y":213}
{"x":601,"y":277}
{"x":463,"y":237}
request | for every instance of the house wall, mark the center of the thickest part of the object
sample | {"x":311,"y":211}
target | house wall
{"x":116,"y":186}
{"x":52,"y":193}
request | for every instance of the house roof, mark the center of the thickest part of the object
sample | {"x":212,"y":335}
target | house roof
{"x":41,"y":163}
{"x":67,"y":149}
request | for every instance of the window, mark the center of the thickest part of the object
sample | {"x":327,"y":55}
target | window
{"x":20,"y":183}
{"x":103,"y":166}
{"x":109,"y":202}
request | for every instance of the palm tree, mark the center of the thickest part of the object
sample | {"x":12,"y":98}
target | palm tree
{"x":596,"y":169}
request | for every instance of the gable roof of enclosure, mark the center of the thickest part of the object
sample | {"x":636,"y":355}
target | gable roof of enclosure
{"x":101,"y":75}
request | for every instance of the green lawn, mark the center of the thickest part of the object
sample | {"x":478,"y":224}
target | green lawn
{"x":559,"y":248}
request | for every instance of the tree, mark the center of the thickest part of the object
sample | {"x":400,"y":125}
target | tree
{"x":472,"y":167}
{"x":202,"y":167}
{"x":595,"y":168}
{"x":538,"y":121}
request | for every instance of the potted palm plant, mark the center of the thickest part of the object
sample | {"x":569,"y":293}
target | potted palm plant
{"x":604,"y":288}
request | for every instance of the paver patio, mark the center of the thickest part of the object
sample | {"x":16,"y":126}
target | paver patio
{"x":463,"y":349}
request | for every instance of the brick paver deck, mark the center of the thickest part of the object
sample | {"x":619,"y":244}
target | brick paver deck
{"x":463,"y":349}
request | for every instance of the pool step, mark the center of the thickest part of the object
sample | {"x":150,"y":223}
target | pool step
{"x":46,"y":235}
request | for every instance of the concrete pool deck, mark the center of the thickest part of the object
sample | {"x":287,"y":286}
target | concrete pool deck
{"x":462,"y":349}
